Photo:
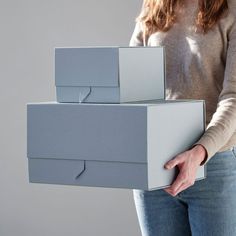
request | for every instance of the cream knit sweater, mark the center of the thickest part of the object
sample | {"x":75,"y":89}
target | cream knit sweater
{"x":202,"y":67}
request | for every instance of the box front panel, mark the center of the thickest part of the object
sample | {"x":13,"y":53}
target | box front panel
{"x":96,"y":173}
{"x":86,"y":66}
{"x":87,"y":132}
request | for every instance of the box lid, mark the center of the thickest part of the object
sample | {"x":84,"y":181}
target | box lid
{"x":87,"y":132}
{"x":85,"y":66}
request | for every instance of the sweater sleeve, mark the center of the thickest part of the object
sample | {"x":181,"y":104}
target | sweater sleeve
{"x":223,"y":122}
{"x":137,"y":36}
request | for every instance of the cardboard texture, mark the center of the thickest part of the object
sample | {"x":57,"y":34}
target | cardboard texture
{"x":111,"y":145}
{"x":109,"y":74}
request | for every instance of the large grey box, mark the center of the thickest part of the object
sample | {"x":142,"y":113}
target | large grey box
{"x":111,"y":145}
{"x":109,"y":74}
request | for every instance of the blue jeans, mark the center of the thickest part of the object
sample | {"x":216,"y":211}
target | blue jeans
{"x":207,"y":208}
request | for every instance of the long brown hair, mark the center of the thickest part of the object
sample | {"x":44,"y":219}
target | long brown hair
{"x":160,"y":15}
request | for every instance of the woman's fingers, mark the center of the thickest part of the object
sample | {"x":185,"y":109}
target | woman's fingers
{"x":179,"y":187}
{"x":180,"y":180}
{"x":174,"y":193}
{"x":187,"y":172}
{"x":174,"y":162}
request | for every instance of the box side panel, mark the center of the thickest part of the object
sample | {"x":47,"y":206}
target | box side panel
{"x":172,"y":129}
{"x":96,"y":173}
{"x":141,"y":73}
{"x":87,"y":132}
{"x":86,"y":66}
{"x":88,"y":94}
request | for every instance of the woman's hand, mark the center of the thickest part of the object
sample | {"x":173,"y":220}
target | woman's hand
{"x":188,"y":163}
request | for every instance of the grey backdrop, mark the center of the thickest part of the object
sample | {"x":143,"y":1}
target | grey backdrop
{"x":29,"y":30}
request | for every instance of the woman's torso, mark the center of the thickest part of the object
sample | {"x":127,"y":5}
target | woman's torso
{"x":195,"y":63}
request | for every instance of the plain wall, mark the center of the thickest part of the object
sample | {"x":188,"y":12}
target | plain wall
{"x":29,"y":30}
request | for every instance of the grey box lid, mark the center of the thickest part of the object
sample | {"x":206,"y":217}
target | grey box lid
{"x":76,"y":131}
{"x":87,"y":131}
{"x":97,"y":66}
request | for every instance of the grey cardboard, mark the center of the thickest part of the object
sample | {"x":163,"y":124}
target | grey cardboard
{"x":109,"y":74}
{"x":88,"y":173}
{"x":113,"y":140}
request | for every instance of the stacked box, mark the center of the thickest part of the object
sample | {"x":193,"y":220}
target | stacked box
{"x":105,"y":139}
{"x":110,"y":74}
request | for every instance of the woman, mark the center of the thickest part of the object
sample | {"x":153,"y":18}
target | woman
{"x":200,"y":43}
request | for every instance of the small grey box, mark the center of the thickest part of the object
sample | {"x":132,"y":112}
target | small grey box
{"x":111,"y":145}
{"x":109,"y":74}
